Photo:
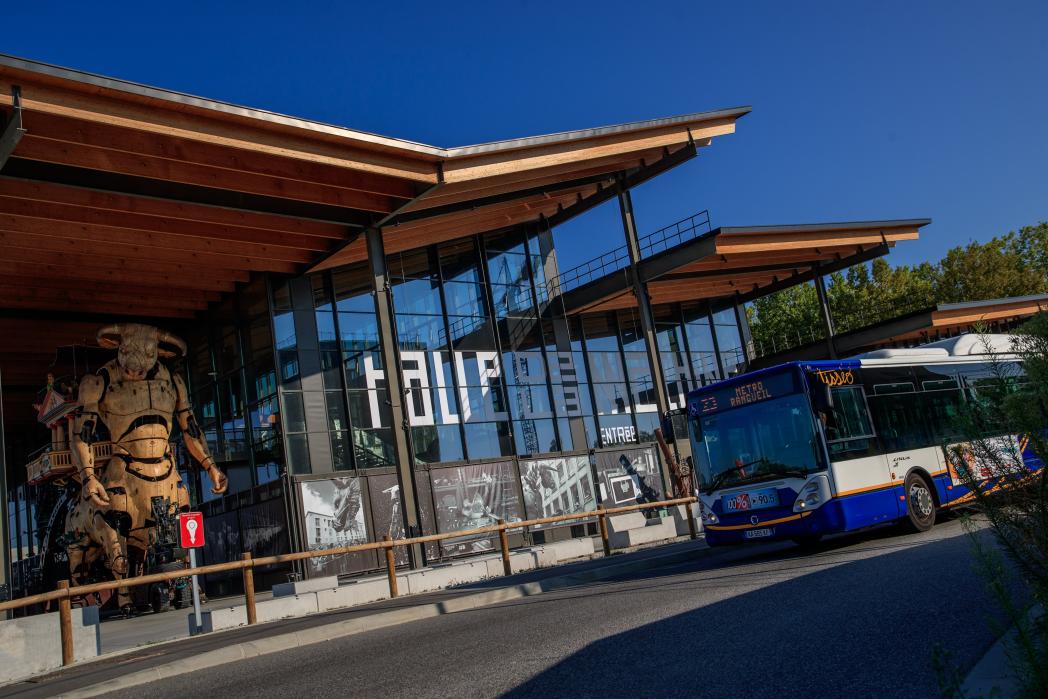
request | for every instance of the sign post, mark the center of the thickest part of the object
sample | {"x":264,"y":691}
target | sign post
{"x":191,"y":535}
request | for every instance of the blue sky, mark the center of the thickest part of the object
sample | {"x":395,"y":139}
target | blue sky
{"x":860,"y":110}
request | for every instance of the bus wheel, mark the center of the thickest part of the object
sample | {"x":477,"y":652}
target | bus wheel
{"x":920,"y":504}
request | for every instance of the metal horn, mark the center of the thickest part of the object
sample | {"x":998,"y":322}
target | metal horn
{"x":163,"y":336}
{"x":105,"y":336}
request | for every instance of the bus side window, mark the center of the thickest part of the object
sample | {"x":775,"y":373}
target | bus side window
{"x":941,"y":410}
{"x":851,"y":428}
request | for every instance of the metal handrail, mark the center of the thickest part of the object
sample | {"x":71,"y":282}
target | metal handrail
{"x":64,"y":594}
{"x":865,"y":315}
{"x":658,"y":241}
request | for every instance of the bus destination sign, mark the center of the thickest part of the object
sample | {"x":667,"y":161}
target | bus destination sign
{"x":765,"y":388}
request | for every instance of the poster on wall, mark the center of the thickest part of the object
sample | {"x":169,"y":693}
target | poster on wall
{"x":387,"y":517}
{"x":628,"y":476}
{"x":333,"y":510}
{"x":263,"y":528}
{"x":468,"y":497}
{"x":559,"y":486}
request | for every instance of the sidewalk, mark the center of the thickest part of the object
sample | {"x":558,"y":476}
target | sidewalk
{"x":154,"y":662}
{"x":994,"y":671}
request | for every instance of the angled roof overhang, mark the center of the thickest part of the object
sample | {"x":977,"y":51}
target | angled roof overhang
{"x":102,"y":176}
{"x":729,"y":265}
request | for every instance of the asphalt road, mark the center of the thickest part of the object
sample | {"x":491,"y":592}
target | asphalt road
{"x":861,"y":616}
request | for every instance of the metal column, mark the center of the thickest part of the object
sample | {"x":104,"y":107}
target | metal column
{"x":5,"y":544}
{"x":561,"y":333}
{"x":647,"y":318}
{"x":827,"y":316}
{"x":13,"y":130}
{"x":313,"y":394}
{"x":716,"y":343}
{"x":743,"y":322}
{"x":391,"y":361}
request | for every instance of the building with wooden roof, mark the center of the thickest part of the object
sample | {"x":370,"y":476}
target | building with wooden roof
{"x":369,"y":307}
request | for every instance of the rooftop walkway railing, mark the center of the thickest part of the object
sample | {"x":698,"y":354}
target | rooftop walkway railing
{"x":65,"y":594}
{"x":653,"y":243}
{"x":858,"y":317}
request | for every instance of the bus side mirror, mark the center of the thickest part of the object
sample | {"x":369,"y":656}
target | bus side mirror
{"x":822,"y":402}
{"x":821,"y":395}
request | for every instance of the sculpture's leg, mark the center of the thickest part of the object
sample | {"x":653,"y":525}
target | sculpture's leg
{"x":76,"y":554}
{"x":135,"y":561}
{"x":112,"y":526}
{"x":181,"y":497}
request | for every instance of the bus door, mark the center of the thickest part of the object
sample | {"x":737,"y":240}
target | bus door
{"x":861,"y":472}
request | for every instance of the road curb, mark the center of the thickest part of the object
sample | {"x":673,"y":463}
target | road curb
{"x":994,"y":670}
{"x":350,"y":627}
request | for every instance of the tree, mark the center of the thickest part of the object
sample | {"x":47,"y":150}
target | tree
{"x":1015,"y":264}
{"x":1031,"y":245}
{"x":1007,"y":477}
{"x":998,"y":268}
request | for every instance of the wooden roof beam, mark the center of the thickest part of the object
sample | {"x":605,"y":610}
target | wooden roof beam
{"x":66,"y":298}
{"x":85,"y":305}
{"x":770,"y":242}
{"x":147,"y":213}
{"x":88,"y":266}
{"x":33,"y":147}
{"x":40,"y":224}
{"x":192,"y":297}
{"x":13,"y":244}
{"x":148,"y":116}
{"x":211,"y":155}
{"x":491,"y":165}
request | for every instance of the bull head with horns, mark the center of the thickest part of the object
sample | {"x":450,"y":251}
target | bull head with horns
{"x":139,"y":346}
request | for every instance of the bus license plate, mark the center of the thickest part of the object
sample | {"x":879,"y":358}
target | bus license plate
{"x":754,"y":500}
{"x":757,"y":533}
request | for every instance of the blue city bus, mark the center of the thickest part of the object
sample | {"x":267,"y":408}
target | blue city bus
{"x":806,"y":449}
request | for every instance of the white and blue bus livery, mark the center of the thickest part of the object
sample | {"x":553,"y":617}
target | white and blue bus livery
{"x":811,"y":448}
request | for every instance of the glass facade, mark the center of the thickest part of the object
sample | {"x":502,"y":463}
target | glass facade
{"x":489,"y":369}
{"x":233,"y":389}
{"x":288,"y":379}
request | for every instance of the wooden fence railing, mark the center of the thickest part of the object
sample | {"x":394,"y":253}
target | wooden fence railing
{"x":64,"y":594}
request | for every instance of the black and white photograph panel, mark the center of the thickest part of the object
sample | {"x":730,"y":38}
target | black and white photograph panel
{"x":629,"y":476}
{"x":473,"y":496}
{"x":558,"y":486}
{"x":333,"y":509}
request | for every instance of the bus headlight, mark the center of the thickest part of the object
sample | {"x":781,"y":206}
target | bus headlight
{"x":705,"y":515}
{"x":813,"y":494}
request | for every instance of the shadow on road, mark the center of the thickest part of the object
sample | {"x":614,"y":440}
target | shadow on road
{"x":807,"y":635}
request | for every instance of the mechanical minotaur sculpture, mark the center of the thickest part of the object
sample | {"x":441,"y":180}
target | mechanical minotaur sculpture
{"x":137,"y":399}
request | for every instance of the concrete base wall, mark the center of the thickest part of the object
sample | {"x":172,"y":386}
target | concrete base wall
{"x":680,"y":519}
{"x":33,"y":645}
{"x":302,"y":586}
{"x":631,"y":531}
{"x":320,"y":595}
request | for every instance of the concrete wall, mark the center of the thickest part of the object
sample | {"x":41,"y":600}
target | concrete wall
{"x":325,"y":594}
{"x":32,"y":645}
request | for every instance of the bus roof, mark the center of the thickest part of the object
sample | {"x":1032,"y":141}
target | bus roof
{"x":960,"y":347}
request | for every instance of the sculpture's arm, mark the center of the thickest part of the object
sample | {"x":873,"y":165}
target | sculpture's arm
{"x":194,"y":437}
{"x":83,"y":434}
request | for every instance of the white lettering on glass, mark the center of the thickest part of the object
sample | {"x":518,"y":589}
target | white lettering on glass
{"x":618,"y":435}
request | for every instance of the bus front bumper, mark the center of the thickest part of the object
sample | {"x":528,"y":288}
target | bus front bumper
{"x":775,"y":525}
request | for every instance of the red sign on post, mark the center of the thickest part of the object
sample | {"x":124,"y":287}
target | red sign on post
{"x":191,"y":529}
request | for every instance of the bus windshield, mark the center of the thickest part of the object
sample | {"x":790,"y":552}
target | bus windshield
{"x":752,"y":443}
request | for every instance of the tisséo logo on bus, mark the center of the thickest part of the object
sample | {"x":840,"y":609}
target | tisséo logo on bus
{"x":191,"y":529}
